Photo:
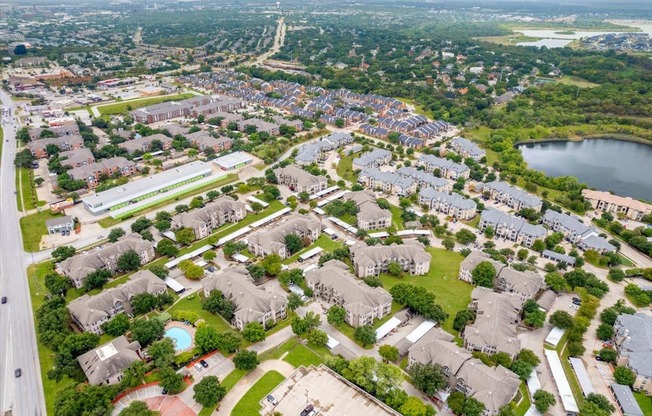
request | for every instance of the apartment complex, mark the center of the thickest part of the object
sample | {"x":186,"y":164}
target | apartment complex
{"x":105,"y":364}
{"x":77,"y":267}
{"x":76,"y":158}
{"x":425,"y":180}
{"x":315,"y":152}
{"x":453,"y":205}
{"x":617,"y":205}
{"x":511,"y":196}
{"x":447,"y":168}
{"x":370,"y":215}
{"x":252,"y":303}
{"x":299,"y":180}
{"x":63,"y":143}
{"x":193,"y":107}
{"x":334,"y":283}
{"x":203,"y":140}
{"x":373,"y":260}
{"x":95,"y":172}
{"x":388,"y":182}
{"x":633,"y":341}
{"x":467,"y":149}
{"x":373,"y":159}
{"x":585,"y":237}
{"x":90,"y":312}
{"x":213,"y":215}
{"x":272,"y":241}
{"x":511,"y":228}
{"x":146,"y":144}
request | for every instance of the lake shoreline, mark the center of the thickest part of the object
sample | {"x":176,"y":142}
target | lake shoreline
{"x":612,"y":136}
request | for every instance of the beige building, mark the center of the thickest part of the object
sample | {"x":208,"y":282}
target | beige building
{"x":272,"y":240}
{"x":370,"y":215}
{"x":453,"y":205}
{"x":633,"y":341}
{"x":213,"y":215}
{"x":105,"y":364}
{"x":90,"y":312}
{"x":299,"y":180}
{"x":373,"y":260}
{"x":617,"y":205}
{"x":79,"y":266}
{"x":524,"y":284}
{"x":471,"y":261}
{"x":512,"y":196}
{"x":253,"y":303}
{"x":334,"y":283}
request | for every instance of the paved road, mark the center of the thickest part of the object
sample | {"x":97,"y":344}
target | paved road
{"x":23,"y":395}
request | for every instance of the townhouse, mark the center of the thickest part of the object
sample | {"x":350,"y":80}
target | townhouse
{"x":105,"y":365}
{"x":494,"y":329}
{"x":63,"y":143}
{"x":95,"y":172}
{"x":373,"y":159}
{"x":447,"y":168}
{"x":77,"y":267}
{"x":494,"y":387}
{"x":617,"y":205}
{"x":453,"y":205}
{"x":334,"y":283}
{"x":511,"y":228}
{"x":213,"y":215}
{"x":633,"y":341}
{"x":90,"y":312}
{"x":430,"y":130}
{"x":299,"y":180}
{"x":252,"y":303}
{"x":203,"y":140}
{"x":425,"y":180}
{"x":374,"y":260}
{"x":585,"y":237}
{"x":511,"y":196}
{"x":76,"y":158}
{"x":388,"y":182}
{"x":147,"y":143}
{"x":370,"y":215}
{"x":272,"y":241}
{"x":467,"y":149}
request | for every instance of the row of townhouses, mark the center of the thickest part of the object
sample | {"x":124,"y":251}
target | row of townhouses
{"x":511,"y":196}
{"x":447,"y":168}
{"x":388,"y":182}
{"x":453,"y":205}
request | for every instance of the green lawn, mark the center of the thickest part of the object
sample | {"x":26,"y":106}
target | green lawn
{"x":452,"y":294}
{"x":122,"y":107}
{"x":33,"y":228}
{"x":249,"y":404}
{"x":396,"y":216}
{"x":194,"y":305}
{"x":27,"y":188}
{"x":525,"y":404}
{"x":233,"y":378}
{"x":324,"y":241}
{"x":349,"y":331}
{"x":302,"y":355}
{"x":19,"y":195}
{"x":645,"y":402}
{"x":345,"y":168}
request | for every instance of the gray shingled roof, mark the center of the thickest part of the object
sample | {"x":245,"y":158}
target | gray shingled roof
{"x":634,"y":340}
{"x":109,"y":360}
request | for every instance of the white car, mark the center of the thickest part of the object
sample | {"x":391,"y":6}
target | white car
{"x":198,"y":367}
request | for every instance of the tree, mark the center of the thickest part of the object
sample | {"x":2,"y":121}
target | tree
{"x":489,"y":232}
{"x":465,"y":236}
{"x":162,"y":352}
{"x":616,"y":275}
{"x":522,"y":254}
{"x":601,"y":401}
{"x":336,"y":315}
{"x":170,"y":380}
{"x":140,"y":225}
{"x":448,"y":244}
{"x":78,"y":399}
{"x":209,"y":255}
{"x":624,"y":375}
{"x":529,"y":357}
{"x":293,"y":243}
{"x":605,"y":332}
{"x":159,"y":270}
{"x":591,"y":409}
{"x":137,"y":408}
{"x":254,"y":332}
{"x":117,"y":326}
{"x":207,"y":338}
{"x":462,"y":318}
{"x":535,"y":319}
{"x":229,"y":342}
{"x":217,"y":303}
{"x":232,"y":248}
{"x":388,"y":352}
{"x":167,"y":248}
{"x":428,"y":378}
{"x":294,"y":301}
{"x":561,"y":319}
{"x":473,"y":407}
{"x":116,"y":233}
{"x":365,"y":334}
{"x":608,"y":355}
{"x":162,"y":225}
{"x":185,"y":236}
{"x":129,"y":261}
{"x":484,"y":274}
{"x":576,"y":349}
{"x":317,"y":338}
{"x":63,"y":252}
{"x":57,"y":284}
{"x":96,"y":279}
{"x":299,"y":326}
{"x":23,"y":159}
{"x":208,"y":391}
{"x":245,"y":360}
{"x":272,"y":264}
{"x":543,"y":400}
{"x":521,"y":368}
{"x":145,"y":332}
{"x":556,"y":282}
{"x":394,"y":268}
{"x":413,"y":407}
{"x":538,"y":245}
{"x":194,"y":272}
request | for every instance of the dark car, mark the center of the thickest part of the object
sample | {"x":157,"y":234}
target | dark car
{"x":203,"y":363}
{"x":598,"y":358}
{"x":4,"y":300}
{"x":272,"y":400}
{"x":18,"y":372}
{"x":307,"y":410}
{"x":577,"y":301}
{"x":165,"y":391}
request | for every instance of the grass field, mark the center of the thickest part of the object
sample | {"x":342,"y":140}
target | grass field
{"x":195,"y":305}
{"x":452,"y":294}
{"x":27,"y":188}
{"x":324,"y":241}
{"x":396,"y":216}
{"x":302,"y":355}
{"x":124,"y":106}
{"x":645,"y":402}
{"x":525,"y":404}
{"x":576,"y":81}
{"x":33,"y":228}
{"x":345,"y":168}
{"x":248,"y":405}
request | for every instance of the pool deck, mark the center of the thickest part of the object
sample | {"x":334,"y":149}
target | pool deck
{"x":188,"y":328}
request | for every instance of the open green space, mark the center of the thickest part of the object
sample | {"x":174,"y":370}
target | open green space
{"x":193,"y":304}
{"x":27,"y":189}
{"x":302,"y":355}
{"x":124,"y":106}
{"x":249,"y":404}
{"x":33,"y":228}
{"x":324,"y":241}
{"x":525,"y":403}
{"x":19,"y":194}
{"x":233,"y":378}
{"x":576,"y":81}
{"x":452,"y":294}
{"x":349,"y":331}
{"x":645,"y":402}
{"x":396,"y":216}
{"x":345,"y":168}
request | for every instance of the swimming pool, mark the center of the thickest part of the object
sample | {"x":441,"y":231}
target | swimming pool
{"x":181,"y":338}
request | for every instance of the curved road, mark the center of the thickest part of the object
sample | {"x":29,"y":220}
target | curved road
{"x":23,"y":395}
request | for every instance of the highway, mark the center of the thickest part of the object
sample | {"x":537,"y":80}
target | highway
{"x":23,"y":396}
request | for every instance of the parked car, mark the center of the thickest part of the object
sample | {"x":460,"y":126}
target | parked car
{"x":598,"y":358}
{"x":4,"y":300}
{"x":307,"y":410}
{"x":198,"y":367}
{"x":577,"y":301}
{"x":18,"y":372}
{"x":203,"y":363}
{"x":272,"y":399}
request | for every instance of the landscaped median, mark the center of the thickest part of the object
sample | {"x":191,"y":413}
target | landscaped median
{"x":249,"y":404}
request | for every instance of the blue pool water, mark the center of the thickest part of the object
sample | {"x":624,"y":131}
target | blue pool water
{"x":181,"y":338}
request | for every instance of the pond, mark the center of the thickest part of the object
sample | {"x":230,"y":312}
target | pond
{"x":622,"y":167}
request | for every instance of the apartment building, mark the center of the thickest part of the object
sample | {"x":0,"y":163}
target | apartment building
{"x":315,"y":152}
{"x":373,"y":159}
{"x":261,"y":126}
{"x":373,"y":260}
{"x":64,"y":143}
{"x":105,"y":365}
{"x":144,"y":144}
{"x":203,"y":140}
{"x":370,"y":216}
{"x":453,"y":205}
{"x":511,"y":228}
{"x":76,"y":158}
{"x":575,"y":231}
{"x":467,"y":149}
{"x":633,"y":341}
{"x":511,"y":196}
{"x":617,"y":205}
{"x":95,"y":172}
{"x":426,"y":180}
{"x":213,"y":215}
{"x":272,"y":240}
{"x":388,"y":182}
{"x":447,"y":168}
{"x":299,"y":180}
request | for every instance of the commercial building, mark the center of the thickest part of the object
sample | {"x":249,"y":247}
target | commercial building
{"x":265,"y":242}
{"x":604,"y":201}
{"x":105,"y":365}
{"x":585,"y":237}
{"x":633,"y":340}
{"x":146,"y":188}
{"x":447,"y":168}
{"x":370,"y":215}
{"x":234,"y":160}
{"x":95,"y":172}
{"x":90,"y":312}
{"x":453,"y":205}
{"x":511,"y":228}
{"x":299,"y":180}
{"x":213,"y":215}
{"x":58,"y":224}
{"x":373,"y":260}
{"x":334,"y":283}
{"x":252,"y":303}
{"x":511,"y":196}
